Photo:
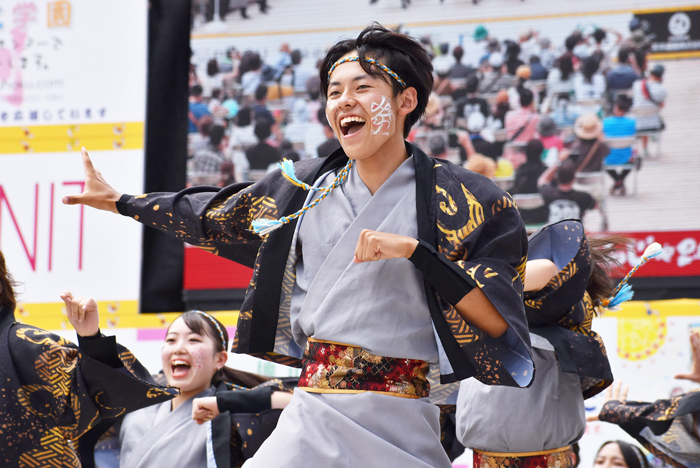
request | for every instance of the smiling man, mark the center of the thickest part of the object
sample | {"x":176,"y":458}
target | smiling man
{"x":370,"y":267}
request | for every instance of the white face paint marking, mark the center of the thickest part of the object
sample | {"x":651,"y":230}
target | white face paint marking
{"x":382,"y":115}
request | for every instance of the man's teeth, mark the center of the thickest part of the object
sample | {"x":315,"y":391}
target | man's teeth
{"x":347,"y":120}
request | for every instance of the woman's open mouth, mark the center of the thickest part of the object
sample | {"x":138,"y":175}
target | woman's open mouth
{"x":351,"y":125}
{"x":179,"y":368}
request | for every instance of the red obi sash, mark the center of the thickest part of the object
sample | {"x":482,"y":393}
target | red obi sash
{"x":340,"y":368}
{"x":557,"y":458}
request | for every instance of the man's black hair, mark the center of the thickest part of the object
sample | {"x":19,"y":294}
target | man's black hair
{"x":472,"y":83}
{"x":599,"y":35}
{"x":263,"y":129}
{"x":196,"y":90}
{"x":566,"y":67}
{"x":526,"y":97}
{"x":623,"y":55}
{"x":572,"y":41}
{"x":458,"y":53}
{"x":216,"y":93}
{"x":295,"y":56}
{"x":244,"y":117}
{"x":533,"y":150}
{"x":444,"y":48}
{"x":216,"y":134}
{"x":566,"y":173}
{"x":212,"y":67}
{"x":534,"y":59}
{"x":437,"y":145}
{"x":623,"y":102}
{"x":260,"y":92}
{"x":401,"y":53}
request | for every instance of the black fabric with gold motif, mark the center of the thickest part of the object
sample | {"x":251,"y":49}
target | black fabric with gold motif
{"x":465,"y":217}
{"x":52,"y":393}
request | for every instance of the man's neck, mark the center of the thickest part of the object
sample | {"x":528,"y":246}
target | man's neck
{"x":566,"y":187}
{"x":375,"y":170}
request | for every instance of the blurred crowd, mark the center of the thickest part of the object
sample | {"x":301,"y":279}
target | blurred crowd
{"x":548,"y":122}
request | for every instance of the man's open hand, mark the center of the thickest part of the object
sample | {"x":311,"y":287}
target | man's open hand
{"x":97,"y":193}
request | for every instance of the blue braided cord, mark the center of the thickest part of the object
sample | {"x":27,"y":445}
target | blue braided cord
{"x":383,"y":67}
{"x":624,"y":294}
{"x":287,"y":168}
{"x":264,"y":226}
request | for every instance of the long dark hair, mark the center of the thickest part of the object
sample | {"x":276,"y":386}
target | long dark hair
{"x":603,"y":248}
{"x":7,"y":286}
{"x":402,"y":54}
{"x":204,"y":325}
{"x":566,"y":66}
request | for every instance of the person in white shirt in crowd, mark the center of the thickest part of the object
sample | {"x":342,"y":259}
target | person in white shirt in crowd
{"x":560,"y":79}
{"x":649,"y":93}
{"x":589,"y":85}
{"x":546,"y":55}
{"x":604,"y":46}
{"x":479,"y":50}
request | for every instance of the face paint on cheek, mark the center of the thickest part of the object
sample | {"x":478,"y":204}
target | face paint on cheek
{"x":381,"y":116}
{"x":197,"y":361}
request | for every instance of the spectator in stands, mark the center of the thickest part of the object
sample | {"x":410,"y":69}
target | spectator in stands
{"x":526,"y":178}
{"x":521,"y":126}
{"x":437,"y":147}
{"x":570,"y":43}
{"x":522,"y":75}
{"x":619,"y":125}
{"x":207,"y":161}
{"x":251,"y":73}
{"x":476,"y":162}
{"x":511,"y":57}
{"x":480,"y":48}
{"x":331,"y":144}
{"x":551,"y":141}
{"x":300,"y":74}
{"x":502,"y":108}
{"x":588,"y":151}
{"x":560,"y":197}
{"x":527,"y":40}
{"x":475,"y":124}
{"x":589,"y":85}
{"x":650,"y":94}
{"x":442,"y":63}
{"x":260,"y":110}
{"x":538,"y":71}
{"x":211,"y":79}
{"x":242,"y":133}
{"x":196,"y":108}
{"x":560,"y":79}
{"x":262,"y":155}
{"x":287,"y":151}
{"x":472,"y":102}
{"x":624,"y":73}
{"x":529,"y":172}
{"x":496,"y":77}
{"x":603,"y":47}
{"x":459,"y":70}
{"x":199,"y":140}
{"x":547,"y":57}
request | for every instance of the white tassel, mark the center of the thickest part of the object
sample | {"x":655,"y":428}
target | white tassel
{"x":653,"y":250}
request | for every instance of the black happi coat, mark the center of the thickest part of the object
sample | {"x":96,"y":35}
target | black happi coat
{"x":52,"y":392}
{"x":470,"y":233}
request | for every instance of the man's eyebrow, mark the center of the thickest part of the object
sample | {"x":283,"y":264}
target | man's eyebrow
{"x":357,"y":78}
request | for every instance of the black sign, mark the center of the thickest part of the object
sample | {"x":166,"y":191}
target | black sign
{"x":672,"y":31}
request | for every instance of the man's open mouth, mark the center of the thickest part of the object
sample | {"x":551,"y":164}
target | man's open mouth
{"x":351,"y":125}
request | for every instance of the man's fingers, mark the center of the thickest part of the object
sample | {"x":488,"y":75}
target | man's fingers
{"x":87,"y":162}
{"x":623,"y":393}
{"x":72,"y":199}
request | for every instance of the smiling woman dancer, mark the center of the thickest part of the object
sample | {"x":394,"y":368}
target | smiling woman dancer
{"x":193,"y":358}
{"x":392,"y":262}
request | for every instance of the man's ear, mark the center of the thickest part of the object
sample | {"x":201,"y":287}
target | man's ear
{"x":408,"y":100}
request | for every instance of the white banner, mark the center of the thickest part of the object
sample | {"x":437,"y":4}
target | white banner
{"x":72,"y":73}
